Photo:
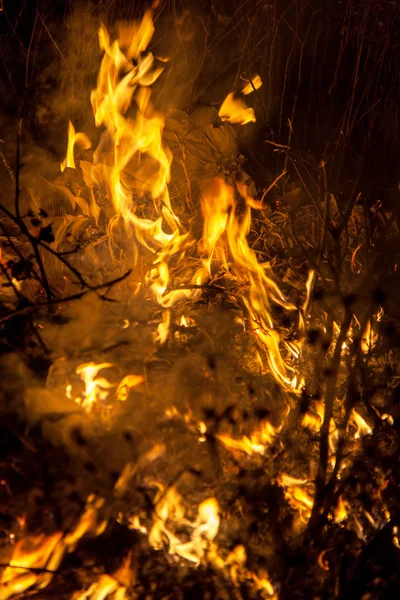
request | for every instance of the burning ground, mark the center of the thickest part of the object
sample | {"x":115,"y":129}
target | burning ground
{"x":199,"y":377}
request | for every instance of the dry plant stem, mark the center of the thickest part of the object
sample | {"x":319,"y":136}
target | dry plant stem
{"x":327,"y":210}
{"x":310,"y":195}
{"x":324,"y":434}
{"x":20,"y":297}
{"x":20,"y":222}
{"x":332,"y":494}
{"x":57,"y":301}
{"x":272,"y":185}
{"x":17,"y":251}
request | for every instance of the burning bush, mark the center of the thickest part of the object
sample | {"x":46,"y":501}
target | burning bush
{"x":199,"y":388}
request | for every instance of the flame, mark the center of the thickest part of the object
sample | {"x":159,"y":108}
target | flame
{"x":36,"y":552}
{"x":256,"y":443}
{"x":96,"y":388}
{"x":89,"y":522}
{"x":44,"y":553}
{"x":127,"y":71}
{"x":102,"y":588}
{"x":362,"y":427}
{"x":235,"y":111}
{"x":342,"y":510}
{"x":309,"y":286}
{"x":169,"y":509}
{"x":370,"y":336}
{"x":254,"y":84}
{"x":131,"y":161}
{"x":126,"y":384}
{"x":297,"y":496}
{"x":115,"y":585}
{"x":74,"y":138}
{"x":163,"y":327}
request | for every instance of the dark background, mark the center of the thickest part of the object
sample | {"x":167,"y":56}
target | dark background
{"x":331,"y":68}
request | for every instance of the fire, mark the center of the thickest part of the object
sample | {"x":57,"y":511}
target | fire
{"x":37,"y":553}
{"x":169,"y":509}
{"x":35,"y":559}
{"x":362,"y":427}
{"x":235,"y":110}
{"x":370,"y":336}
{"x":131,"y":161}
{"x":126,"y":384}
{"x":296,"y":494}
{"x":74,"y":138}
{"x":254,"y":84}
{"x":127,"y":71}
{"x":96,"y":388}
{"x":342,"y":510}
{"x":257,"y":443}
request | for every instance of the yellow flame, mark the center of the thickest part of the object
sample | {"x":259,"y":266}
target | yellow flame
{"x":96,"y":388}
{"x":89,"y":522}
{"x":169,"y":510}
{"x":298,"y":497}
{"x":126,"y":384}
{"x":342,"y":510}
{"x":104,"y":587}
{"x":235,"y":111}
{"x":256,"y":443}
{"x":362,"y":427}
{"x":125,"y":75}
{"x":370,"y":336}
{"x":74,"y":138}
{"x":46,"y":552}
{"x":254,"y":84}
{"x":163,"y":327}
{"x":131,"y":161}
{"x":36,"y":552}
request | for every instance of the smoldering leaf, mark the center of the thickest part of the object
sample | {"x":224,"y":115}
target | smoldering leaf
{"x":46,"y":234}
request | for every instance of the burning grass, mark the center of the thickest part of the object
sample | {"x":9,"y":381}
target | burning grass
{"x":184,"y":418}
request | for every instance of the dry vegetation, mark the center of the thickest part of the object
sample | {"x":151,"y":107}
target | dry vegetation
{"x":327,"y":116}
